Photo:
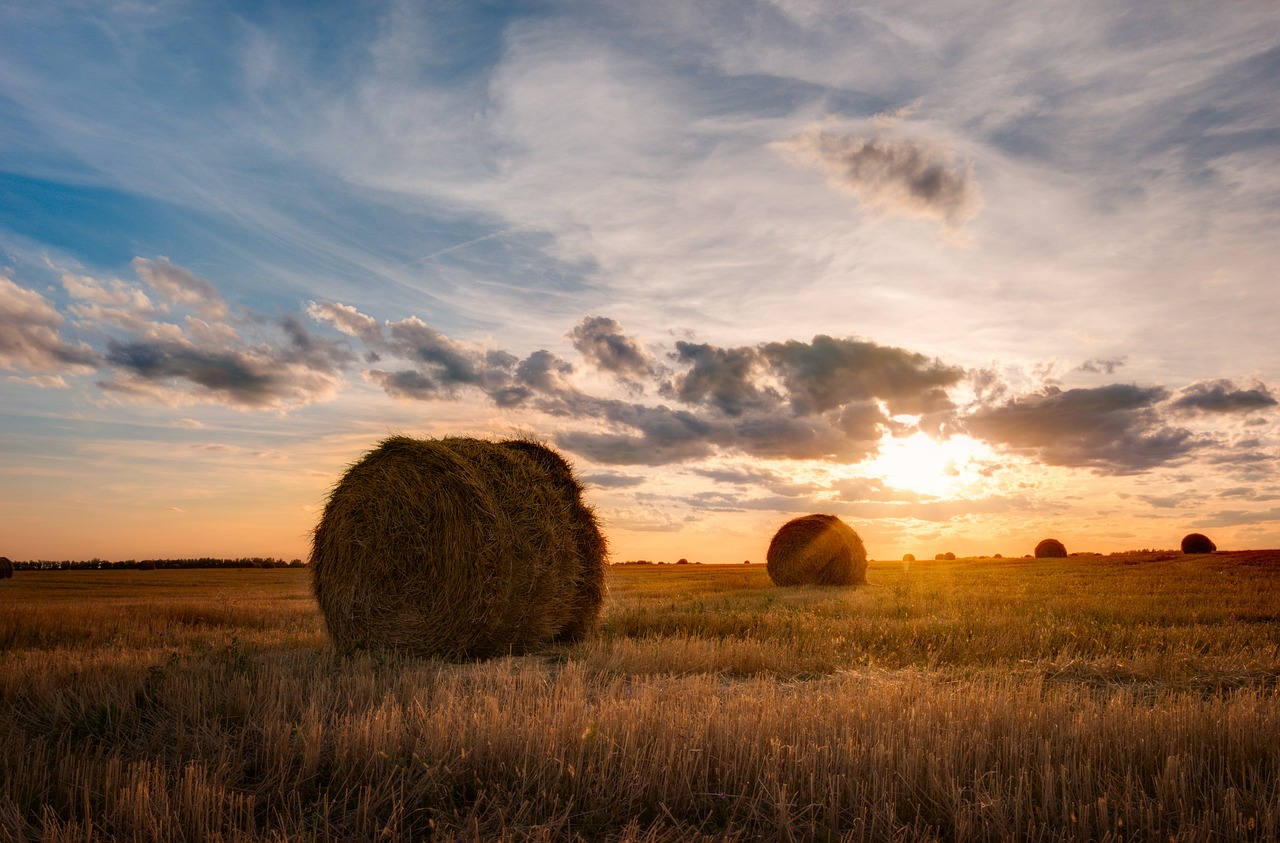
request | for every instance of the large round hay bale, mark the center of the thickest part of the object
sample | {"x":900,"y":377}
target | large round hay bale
{"x":816,"y":550}
{"x":1051,"y":549}
{"x":6,"y":568}
{"x":1198,"y":543}
{"x":458,"y":548}
{"x":908,"y":557}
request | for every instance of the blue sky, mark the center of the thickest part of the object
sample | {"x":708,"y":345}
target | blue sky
{"x":965,"y":276}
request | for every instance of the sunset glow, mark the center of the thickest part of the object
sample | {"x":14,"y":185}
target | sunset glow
{"x":920,"y":463}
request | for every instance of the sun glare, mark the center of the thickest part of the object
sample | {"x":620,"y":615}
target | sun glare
{"x":919,"y":463}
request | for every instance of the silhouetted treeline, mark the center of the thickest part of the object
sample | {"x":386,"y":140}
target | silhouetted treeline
{"x":153,"y":564}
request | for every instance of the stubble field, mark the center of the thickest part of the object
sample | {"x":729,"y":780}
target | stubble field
{"x":1115,"y":698}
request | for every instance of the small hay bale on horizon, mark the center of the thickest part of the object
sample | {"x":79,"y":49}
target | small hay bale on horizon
{"x":908,"y":557}
{"x":458,"y":548}
{"x":1051,"y":549}
{"x":1197,"y":543}
{"x":816,"y":550}
{"x":6,"y":567}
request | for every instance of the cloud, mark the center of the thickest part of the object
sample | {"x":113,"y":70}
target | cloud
{"x":1222,"y":396}
{"x":1111,"y":429}
{"x":611,"y":480}
{"x":828,"y":373}
{"x":182,"y":349}
{"x":623,"y":449}
{"x":721,"y":377}
{"x":349,"y":321}
{"x":893,"y":175}
{"x":252,"y":376}
{"x":792,"y":400}
{"x":30,"y":338}
{"x":1098,"y":366}
{"x":180,"y":286}
{"x":602,"y":342}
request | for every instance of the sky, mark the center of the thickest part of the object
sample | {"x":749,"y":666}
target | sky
{"x":965,"y":275}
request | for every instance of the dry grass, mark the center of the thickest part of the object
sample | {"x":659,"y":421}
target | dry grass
{"x":974,"y":700}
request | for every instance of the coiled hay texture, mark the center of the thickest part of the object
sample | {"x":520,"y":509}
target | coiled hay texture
{"x":817,"y":550}
{"x":1197,"y":543}
{"x":458,"y":548}
{"x":1051,"y":549}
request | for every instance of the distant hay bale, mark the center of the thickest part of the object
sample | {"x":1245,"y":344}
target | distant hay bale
{"x":6,"y":568}
{"x":1197,"y":543}
{"x":938,"y":557}
{"x":949,"y":556}
{"x":908,"y":557}
{"x":458,"y":548}
{"x":816,"y":550}
{"x":1051,"y":549}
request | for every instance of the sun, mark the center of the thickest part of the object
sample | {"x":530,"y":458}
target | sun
{"x":922,"y":464}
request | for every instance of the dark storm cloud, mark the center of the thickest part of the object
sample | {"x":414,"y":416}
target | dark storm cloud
{"x":896,"y":175}
{"x":602,"y":342}
{"x":1222,"y":396}
{"x":1111,"y":429}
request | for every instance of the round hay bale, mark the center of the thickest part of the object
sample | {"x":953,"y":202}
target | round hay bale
{"x":908,"y":557}
{"x":1197,"y":543}
{"x":6,"y":568}
{"x":1051,"y":549}
{"x":816,"y":550}
{"x":949,"y":556}
{"x":458,"y":548}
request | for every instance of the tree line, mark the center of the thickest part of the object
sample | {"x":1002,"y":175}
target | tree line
{"x":153,"y":564}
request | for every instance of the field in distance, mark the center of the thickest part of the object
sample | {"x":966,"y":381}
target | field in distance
{"x":1119,"y":697}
